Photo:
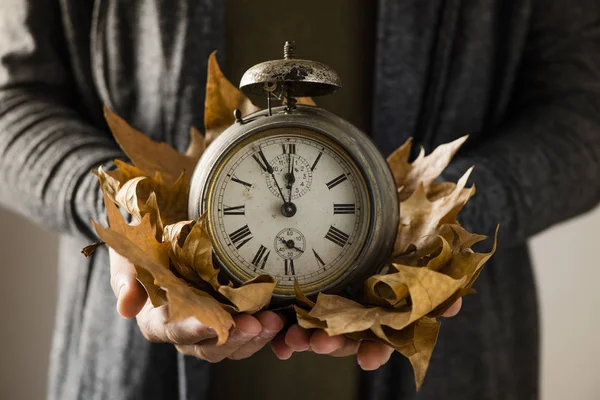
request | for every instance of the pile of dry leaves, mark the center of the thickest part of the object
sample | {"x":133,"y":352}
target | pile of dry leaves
{"x":431,"y":267}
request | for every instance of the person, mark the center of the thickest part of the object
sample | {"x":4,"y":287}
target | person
{"x":522,"y":78}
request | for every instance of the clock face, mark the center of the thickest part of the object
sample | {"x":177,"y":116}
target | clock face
{"x":289,"y":203}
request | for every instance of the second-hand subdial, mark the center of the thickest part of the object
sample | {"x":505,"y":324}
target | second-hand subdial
{"x":293,"y":173}
{"x":290,"y":243}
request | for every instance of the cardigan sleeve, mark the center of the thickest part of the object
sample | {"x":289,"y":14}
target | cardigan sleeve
{"x":46,"y":148}
{"x":543,"y":164}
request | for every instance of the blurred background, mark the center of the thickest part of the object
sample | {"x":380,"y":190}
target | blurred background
{"x":567,"y":262}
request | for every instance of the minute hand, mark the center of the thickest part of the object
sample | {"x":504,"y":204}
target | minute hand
{"x":270,"y":171}
{"x":291,"y":177}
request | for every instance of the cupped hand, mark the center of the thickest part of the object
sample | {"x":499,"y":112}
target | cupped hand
{"x":190,"y":337}
{"x":370,"y":355}
{"x":251,"y":333}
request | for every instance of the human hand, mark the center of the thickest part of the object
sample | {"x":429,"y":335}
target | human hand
{"x":190,"y":337}
{"x":369,"y":354}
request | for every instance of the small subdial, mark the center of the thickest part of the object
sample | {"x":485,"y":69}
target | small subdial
{"x":290,"y":243}
{"x":293,"y":174}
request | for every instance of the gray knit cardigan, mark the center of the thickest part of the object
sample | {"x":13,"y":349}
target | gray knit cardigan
{"x":522,"y":78}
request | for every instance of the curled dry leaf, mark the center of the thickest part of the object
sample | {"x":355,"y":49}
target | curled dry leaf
{"x":139,"y":194}
{"x":252,"y":296}
{"x":195,"y":253}
{"x":391,"y":289}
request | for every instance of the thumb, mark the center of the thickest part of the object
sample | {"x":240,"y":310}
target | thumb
{"x":131,"y":296}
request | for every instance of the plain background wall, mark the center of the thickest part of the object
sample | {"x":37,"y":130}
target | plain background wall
{"x":567,"y":261}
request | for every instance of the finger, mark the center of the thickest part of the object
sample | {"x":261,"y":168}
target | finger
{"x":271,"y":323}
{"x":372,"y":355}
{"x":280,"y":348}
{"x":453,"y":309}
{"x":131,"y":296}
{"x":297,"y":338}
{"x":322,"y":343}
{"x":350,"y":347}
{"x":153,"y":323}
{"x":247,"y":328}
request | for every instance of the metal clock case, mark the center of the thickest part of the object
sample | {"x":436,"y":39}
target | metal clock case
{"x":280,"y":215}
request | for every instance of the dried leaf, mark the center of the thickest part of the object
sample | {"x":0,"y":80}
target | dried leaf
{"x":146,"y":154}
{"x":151,"y":208}
{"x":466,"y":264}
{"x":459,"y":237}
{"x":390,"y":289}
{"x":109,"y":185}
{"x":139,"y":245}
{"x":416,"y":343}
{"x":424,"y":170}
{"x":156,"y":294}
{"x":222,"y":98}
{"x":170,"y":202}
{"x":301,"y":297}
{"x":306,"y":321}
{"x":252,"y":296}
{"x":176,"y":234}
{"x":196,"y":254}
{"x":428,"y":289}
{"x":420,"y":218}
{"x":128,"y":199}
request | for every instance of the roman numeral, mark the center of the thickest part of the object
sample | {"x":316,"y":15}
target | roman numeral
{"x":237,"y":210}
{"x":319,"y":259}
{"x":344,"y":208}
{"x":234,"y":179}
{"x":241,"y":236}
{"x":316,"y":161}
{"x":336,"y":181}
{"x":260,"y":258}
{"x":289,"y":267}
{"x":262,"y":161}
{"x":289,"y":148}
{"x":336,"y":236}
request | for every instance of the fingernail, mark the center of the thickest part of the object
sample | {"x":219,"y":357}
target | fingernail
{"x":241,"y":335}
{"x":211,"y":331}
{"x":265,"y":334}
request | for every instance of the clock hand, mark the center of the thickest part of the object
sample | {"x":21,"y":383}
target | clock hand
{"x":270,"y":171}
{"x":291,"y":177}
{"x":290,"y":244}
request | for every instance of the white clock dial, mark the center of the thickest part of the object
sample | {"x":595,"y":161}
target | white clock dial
{"x":289,"y":204}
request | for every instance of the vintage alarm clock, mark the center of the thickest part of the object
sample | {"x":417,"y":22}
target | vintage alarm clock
{"x":295,"y":191}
